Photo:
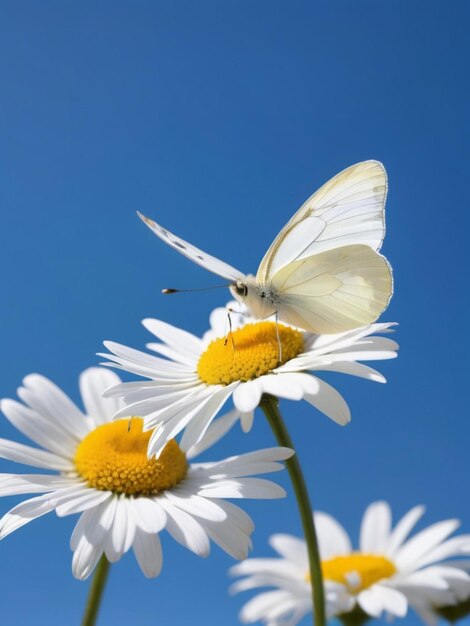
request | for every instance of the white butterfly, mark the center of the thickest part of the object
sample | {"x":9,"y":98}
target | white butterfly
{"x":323,"y":272}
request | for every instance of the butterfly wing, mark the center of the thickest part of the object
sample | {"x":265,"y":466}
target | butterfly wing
{"x":335,"y":290}
{"x":211,"y":263}
{"x":348,"y":209}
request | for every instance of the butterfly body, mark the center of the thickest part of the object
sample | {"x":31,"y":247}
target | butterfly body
{"x":323,"y":272}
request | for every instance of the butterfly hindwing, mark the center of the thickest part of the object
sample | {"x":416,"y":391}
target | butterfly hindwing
{"x":335,"y":290}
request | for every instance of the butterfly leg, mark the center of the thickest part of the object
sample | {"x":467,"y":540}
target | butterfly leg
{"x":230,"y":333}
{"x":279,"y":344}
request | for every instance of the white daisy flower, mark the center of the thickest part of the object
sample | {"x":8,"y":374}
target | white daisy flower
{"x":101,"y":471}
{"x":188,"y":387}
{"x":291,"y":598}
{"x":388,"y":573}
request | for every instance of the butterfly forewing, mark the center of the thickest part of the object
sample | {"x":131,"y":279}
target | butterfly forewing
{"x":348,"y":209}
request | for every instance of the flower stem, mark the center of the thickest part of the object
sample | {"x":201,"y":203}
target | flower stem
{"x":356,"y":617}
{"x":96,"y":592}
{"x":270,"y":406}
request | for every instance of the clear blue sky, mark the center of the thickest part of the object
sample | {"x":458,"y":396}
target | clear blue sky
{"x":219,"y":119}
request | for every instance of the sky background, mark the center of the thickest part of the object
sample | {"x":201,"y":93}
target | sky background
{"x":219,"y":119}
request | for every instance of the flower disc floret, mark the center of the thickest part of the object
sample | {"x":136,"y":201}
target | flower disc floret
{"x":248,"y":353}
{"x":370,"y":568}
{"x":113,"y":457}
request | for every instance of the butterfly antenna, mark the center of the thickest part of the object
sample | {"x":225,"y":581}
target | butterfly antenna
{"x":168,"y":291}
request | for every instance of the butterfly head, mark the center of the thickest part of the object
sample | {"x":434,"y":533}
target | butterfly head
{"x":258,"y":300}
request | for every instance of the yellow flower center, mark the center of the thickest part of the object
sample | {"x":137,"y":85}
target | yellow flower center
{"x":248,"y":352}
{"x":113,"y":457}
{"x":357,"y":571}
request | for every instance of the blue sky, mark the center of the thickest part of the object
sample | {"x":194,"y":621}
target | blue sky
{"x":219,"y":119}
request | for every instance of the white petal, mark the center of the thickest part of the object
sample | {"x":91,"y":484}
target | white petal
{"x":20,"y":453}
{"x":201,"y":420}
{"x":93,"y":383}
{"x":394,"y":602}
{"x":18,"y":484}
{"x":291,"y":548}
{"x":47,"y":399}
{"x":237,"y":516}
{"x":323,"y":344}
{"x":236,"y":470}
{"x":23,"y":513}
{"x":262,"y":580}
{"x":371,"y":601}
{"x":39,"y":429}
{"x":149,"y":515}
{"x":423,"y":542}
{"x":257,"y":488}
{"x":375,"y":528}
{"x":173,"y":355}
{"x":258,"y":607}
{"x":276,"y":568}
{"x":455,"y":546}
{"x":195,"y":505}
{"x":428,"y":579}
{"x":286,"y":386}
{"x":217,"y":429}
{"x":94,"y":523}
{"x":247,"y":395}
{"x":166,"y":375}
{"x":142,"y":363}
{"x":229,"y":537}
{"x":141,"y":359}
{"x":403,"y":529}
{"x":173,"y":419}
{"x":355,"y":369}
{"x":122,"y":531}
{"x":186,"y":530}
{"x":152,"y":400}
{"x":146,"y":388}
{"x":78,"y":500}
{"x":256,"y":461}
{"x":179,"y":339}
{"x":332,"y":538}
{"x":148,"y":552}
{"x":246,"y":420}
{"x":85,"y":558}
{"x":330,"y":402}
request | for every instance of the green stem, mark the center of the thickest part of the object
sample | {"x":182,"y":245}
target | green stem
{"x":96,"y":592}
{"x":356,"y":617}
{"x":270,"y":406}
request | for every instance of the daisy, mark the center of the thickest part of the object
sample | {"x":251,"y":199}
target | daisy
{"x":291,"y":598}
{"x":388,"y":573}
{"x":101,"y":471}
{"x":186,"y":389}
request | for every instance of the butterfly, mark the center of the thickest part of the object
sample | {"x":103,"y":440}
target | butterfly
{"x":323,"y":272}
